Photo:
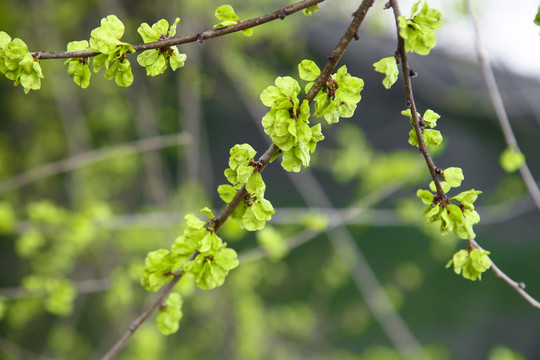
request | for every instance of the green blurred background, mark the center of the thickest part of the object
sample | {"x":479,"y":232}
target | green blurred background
{"x":75,"y":233}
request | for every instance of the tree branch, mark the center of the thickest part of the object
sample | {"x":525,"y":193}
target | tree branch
{"x":199,"y":38}
{"x":409,"y":97}
{"x":497,"y":101}
{"x":90,"y":157}
{"x":330,"y":65}
{"x":518,"y":286}
{"x":218,"y":221}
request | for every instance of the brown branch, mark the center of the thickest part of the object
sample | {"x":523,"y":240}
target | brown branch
{"x":218,"y":221}
{"x":199,"y":38}
{"x":409,"y":97}
{"x":158,"y":301}
{"x":518,"y":286}
{"x":330,"y":65}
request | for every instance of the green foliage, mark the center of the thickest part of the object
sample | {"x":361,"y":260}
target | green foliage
{"x":310,"y":10}
{"x":458,"y":219}
{"x":106,"y":40}
{"x":254,"y":210}
{"x":7,"y":218}
{"x":338,"y":97}
{"x":537,"y":17}
{"x":228,"y":17}
{"x":453,"y":176}
{"x":470,"y":264}
{"x":155,"y":60}
{"x":417,"y":31}
{"x":273,"y":242}
{"x":511,"y":160}
{"x":169,"y":315}
{"x":157,"y":270}
{"x":59,"y":293}
{"x":241,"y":165}
{"x":287,"y":121}
{"x":210,"y":269}
{"x":199,"y":252}
{"x":17,"y":64}
{"x":431,"y":137}
{"x":500,"y":352}
{"x":388,"y":66}
{"x":78,"y":68}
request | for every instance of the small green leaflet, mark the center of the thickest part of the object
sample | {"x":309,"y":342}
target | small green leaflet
{"x":228,"y":17}
{"x":471,"y":264}
{"x":417,"y":31}
{"x":155,"y":60}
{"x":388,"y":66}
{"x":78,"y":68}
{"x":169,"y":315}
{"x":511,"y":160}
{"x":17,"y":64}
{"x":311,"y":10}
{"x":106,"y":40}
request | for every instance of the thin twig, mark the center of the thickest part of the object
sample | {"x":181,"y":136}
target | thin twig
{"x":90,"y":157}
{"x":82,"y":287}
{"x":518,"y":286}
{"x":199,"y":38}
{"x":411,"y":104}
{"x":498,"y":105}
{"x":158,"y":301}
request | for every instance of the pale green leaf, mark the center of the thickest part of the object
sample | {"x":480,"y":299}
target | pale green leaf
{"x":453,"y":176}
{"x":388,"y":66}
{"x":308,"y":70}
{"x":511,"y":160}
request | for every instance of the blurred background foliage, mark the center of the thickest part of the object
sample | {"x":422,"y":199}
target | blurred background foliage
{"x":75,"y":233}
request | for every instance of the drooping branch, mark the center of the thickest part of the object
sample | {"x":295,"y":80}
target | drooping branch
{"x":199,"y":37}
{"x":330,"y":65}
{"x":351,"y":32}
{"x":518,"y":286}
{"x":409,"y":96}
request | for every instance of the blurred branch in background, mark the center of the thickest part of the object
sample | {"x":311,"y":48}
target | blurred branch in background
{"x":90,"y":157}
{"x":498,"y":105}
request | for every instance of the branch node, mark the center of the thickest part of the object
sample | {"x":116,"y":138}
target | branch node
{"x":387,"y":6}
{"x":200,"y":38}
{"x":356,"y":37}
{"x":397,"y":55}
{"x":409,"y":104}
{"x":412,"y":73}
{"x":522,"y":285}
{"x":282,"y":14}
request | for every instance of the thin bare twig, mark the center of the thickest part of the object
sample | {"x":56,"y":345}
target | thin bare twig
{"x":498,"y":105}
{"x":518,"y":286}
{"x":90,"y":157}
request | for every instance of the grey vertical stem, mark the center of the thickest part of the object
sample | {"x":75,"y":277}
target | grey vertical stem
{"x":498,"y":105}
